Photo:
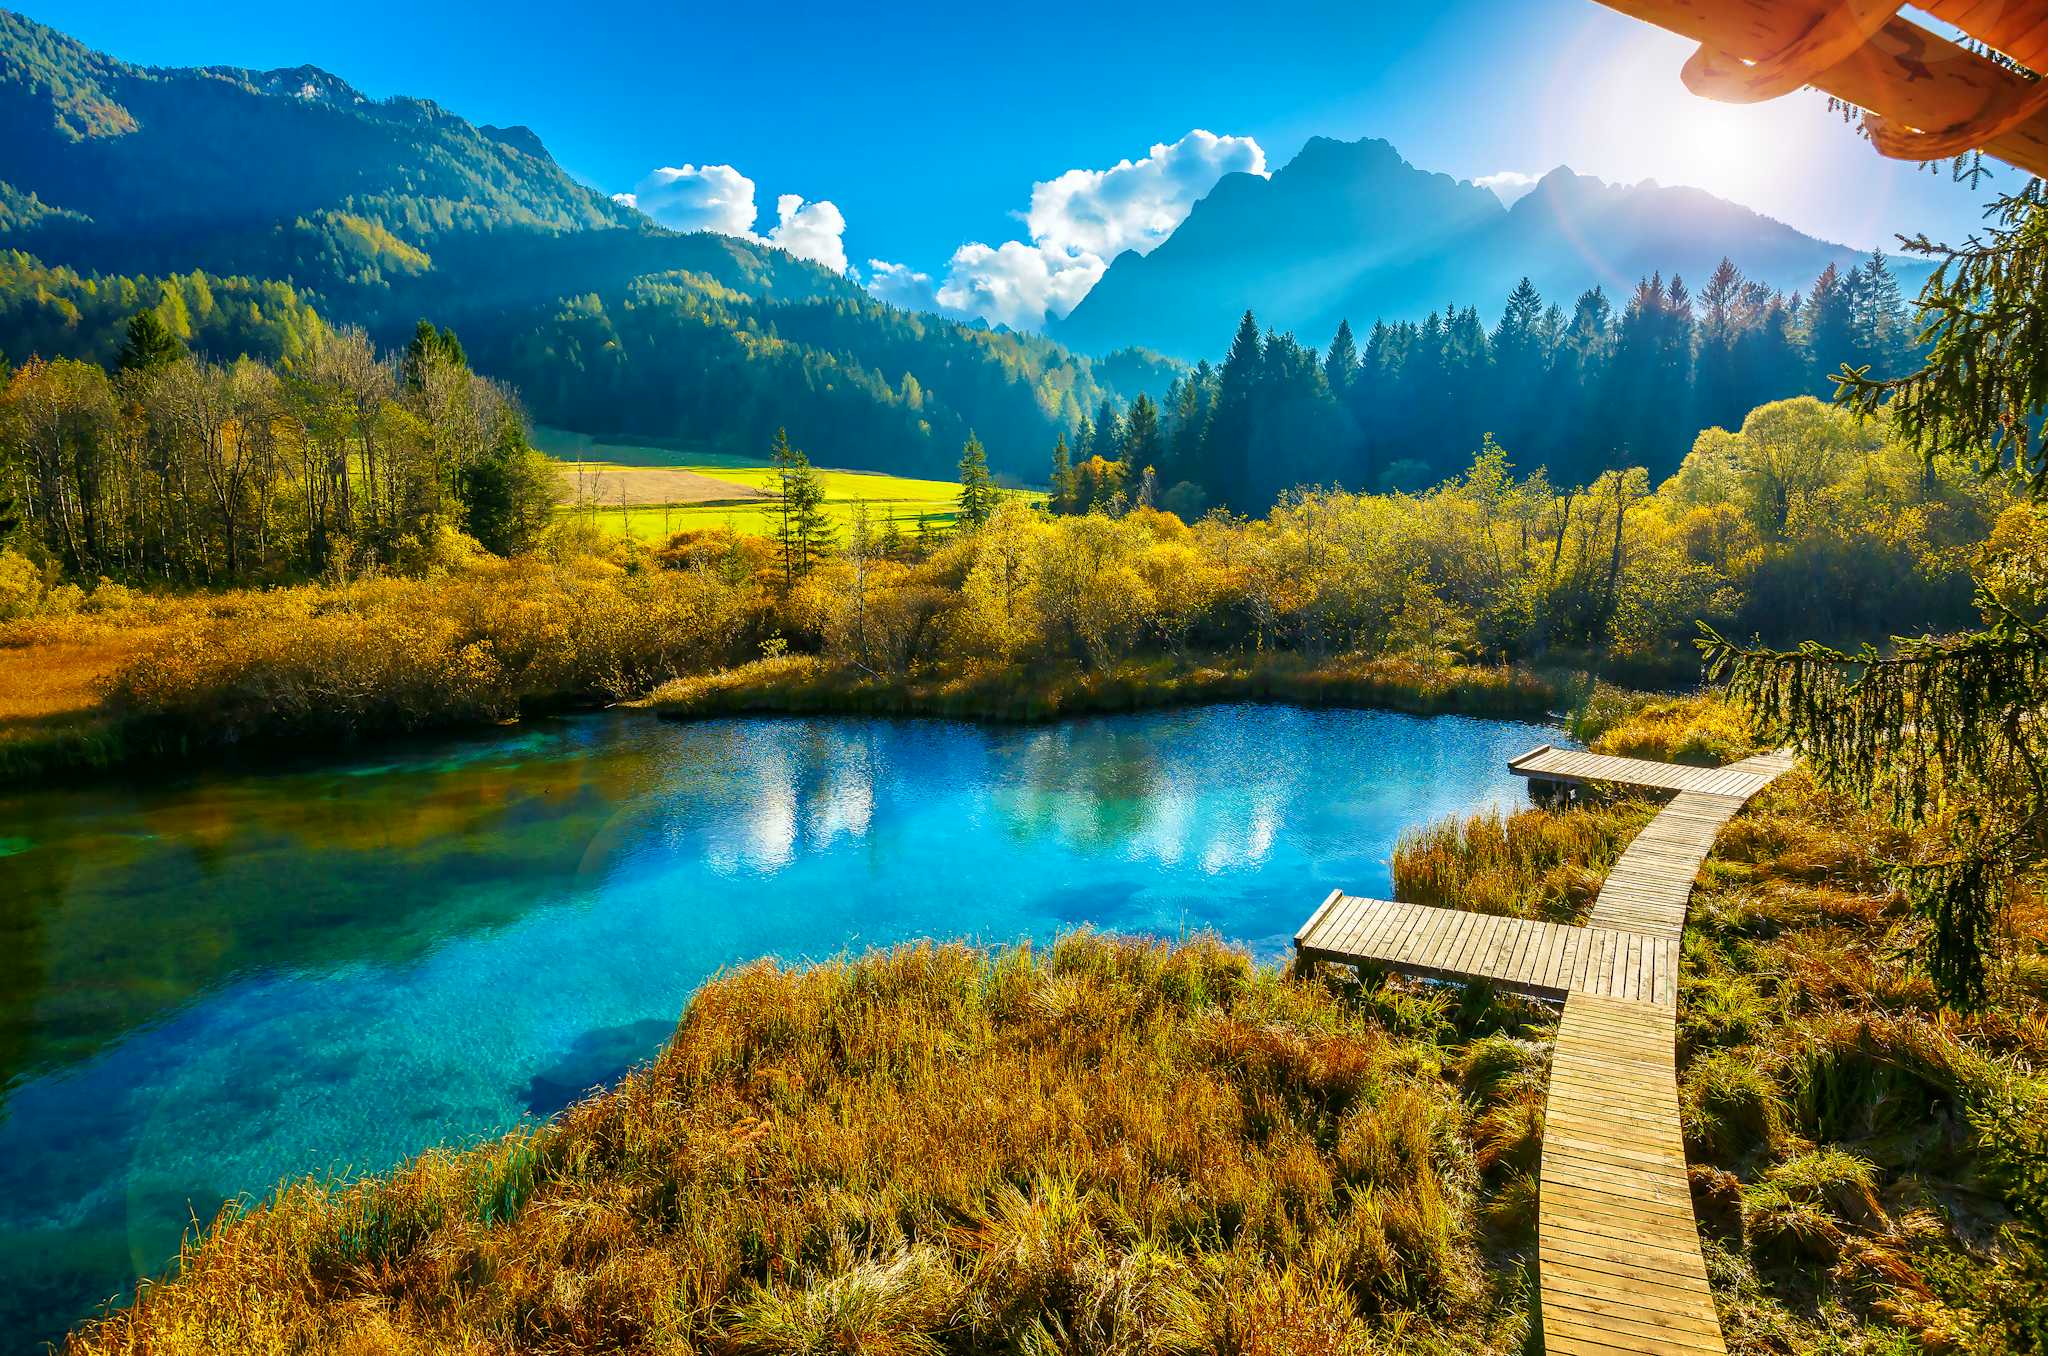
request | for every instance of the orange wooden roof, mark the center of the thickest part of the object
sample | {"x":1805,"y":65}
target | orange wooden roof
{"x":1926,"y":97}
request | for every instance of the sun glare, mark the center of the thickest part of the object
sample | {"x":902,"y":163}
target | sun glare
{"x":1641,"y":123}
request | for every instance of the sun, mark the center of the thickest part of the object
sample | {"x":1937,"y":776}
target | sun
{"x":1725,"y":148}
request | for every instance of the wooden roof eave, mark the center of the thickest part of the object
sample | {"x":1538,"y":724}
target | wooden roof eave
{"x":1905,"y":75}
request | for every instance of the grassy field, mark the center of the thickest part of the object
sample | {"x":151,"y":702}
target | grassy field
{"x":887,"y":496}
{"x":564,"y":445}
{"x":607,"y":466}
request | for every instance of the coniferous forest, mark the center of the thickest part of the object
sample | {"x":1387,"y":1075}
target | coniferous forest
{"x":1602,"y":386}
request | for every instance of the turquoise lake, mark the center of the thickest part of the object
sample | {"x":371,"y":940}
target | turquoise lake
{"x":212,"y":985}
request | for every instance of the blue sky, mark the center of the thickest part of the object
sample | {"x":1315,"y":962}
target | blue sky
{"x":927,"y":126}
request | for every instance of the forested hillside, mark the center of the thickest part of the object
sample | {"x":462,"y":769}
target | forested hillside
{"x":294,"y":192}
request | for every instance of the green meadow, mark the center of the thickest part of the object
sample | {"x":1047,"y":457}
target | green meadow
{"x":599,"y":466}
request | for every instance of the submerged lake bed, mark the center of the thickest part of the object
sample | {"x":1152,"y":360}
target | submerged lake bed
{"x":210,"y":986}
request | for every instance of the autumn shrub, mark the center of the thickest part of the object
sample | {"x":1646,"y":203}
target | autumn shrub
{"x":21,"y":585}
{"x":397,"y":654}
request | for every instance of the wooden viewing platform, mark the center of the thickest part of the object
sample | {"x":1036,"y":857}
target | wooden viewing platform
{"x":1619,"y":1268}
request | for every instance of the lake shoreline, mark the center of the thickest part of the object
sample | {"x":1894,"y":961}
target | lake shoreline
{"x":82,"y":748}
{"x":1027,"y":695}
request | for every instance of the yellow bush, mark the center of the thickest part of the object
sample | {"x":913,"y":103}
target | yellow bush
{"x":21,"y":585}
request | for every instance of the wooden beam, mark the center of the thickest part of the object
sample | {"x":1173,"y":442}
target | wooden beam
{"x":1905,"y":74}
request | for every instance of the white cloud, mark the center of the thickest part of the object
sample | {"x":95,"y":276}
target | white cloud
{"x":711,"y":198}
{"x":1507,"y":185}
{"x":1078,"y":222}
{"x":719,"y":198}
{"x":1016,"y":284}
{"x":812,"y":231}
{"x":901,"y":285}
{"x":1135,"y":205}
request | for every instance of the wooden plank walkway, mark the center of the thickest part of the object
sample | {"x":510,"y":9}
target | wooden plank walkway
{"x":1619,"y":1269}
{"x":1520,"y":955}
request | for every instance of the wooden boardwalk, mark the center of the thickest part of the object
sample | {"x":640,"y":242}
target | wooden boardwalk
{"x":1619,"y":1269}
{"x":1539,"y":960}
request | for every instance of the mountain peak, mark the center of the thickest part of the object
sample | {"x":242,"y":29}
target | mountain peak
{"x":1350,"y":230}
{"x":519,"y":137}
{"x":1564,"y":184}
{"x":1368,"y":160}
{"x":309,"y":83}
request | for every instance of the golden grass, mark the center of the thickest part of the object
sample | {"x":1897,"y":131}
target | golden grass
{"x":1046,"y":691}
{"x":1545,"y":864}
{"x":54,"y":676}
{"x":1704,"y":731}
{"x":1110,"y":1147}
{"x":64,"y":675}
{"x":179,"y":675}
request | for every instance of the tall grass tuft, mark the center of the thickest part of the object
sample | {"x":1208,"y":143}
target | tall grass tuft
{"x":1531,"y":864}
{"x":1106,"y":1146}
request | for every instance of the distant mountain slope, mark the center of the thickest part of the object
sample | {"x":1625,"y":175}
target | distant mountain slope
{"x":1350,"y":230}
{"x":302,"y":191}
{"x":161,"y":160}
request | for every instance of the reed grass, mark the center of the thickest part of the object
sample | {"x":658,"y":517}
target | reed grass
{"x":1105,"y":1147}
{"x":1530,"y":864}
{"x":1026,"y":692}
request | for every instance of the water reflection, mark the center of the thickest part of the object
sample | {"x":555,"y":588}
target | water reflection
{"x":208,"y":987}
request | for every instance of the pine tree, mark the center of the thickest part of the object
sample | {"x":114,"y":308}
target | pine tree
{"x":817,"y":535}
{"x":149,"y":343}
{"x":1519,"y":361}
{"x":427,"y":347}
{"x":1340,"y":366}
{"x":1142,"y":443}
{"x":1109,"y":433}
{"x":803,"y":532}
{"x":977,"y":491}
{"x":1225,"y":464}
{"x":1944,"y":734}
{"x":1062,"y":477}
{"x":1191,"y":424}
{"x":1878,"y":321}
{"x":1830,"y":330}
{"x":1718,"y":386}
